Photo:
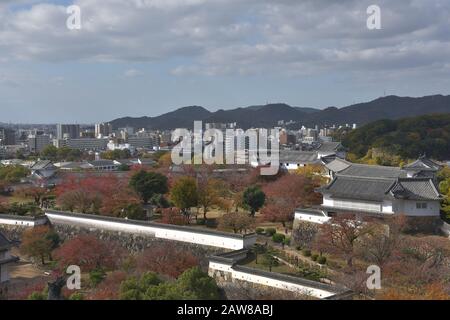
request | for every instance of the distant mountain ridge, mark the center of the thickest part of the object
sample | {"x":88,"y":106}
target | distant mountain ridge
{"x":389,"y":107}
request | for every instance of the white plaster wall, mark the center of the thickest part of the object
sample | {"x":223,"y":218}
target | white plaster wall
{"x":311,"y":218}
{"x":275,"y":283}
{"x":408,"y":208}
{"x":16,"y":222}
{"x":163,"y":233}
{"x":387,"y":207}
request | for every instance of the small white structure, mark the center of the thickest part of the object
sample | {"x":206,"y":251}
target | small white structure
{"x":311,"y":215}
{"x":23,"y":221}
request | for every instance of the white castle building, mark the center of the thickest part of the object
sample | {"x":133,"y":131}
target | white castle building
{"x":377,"y":190}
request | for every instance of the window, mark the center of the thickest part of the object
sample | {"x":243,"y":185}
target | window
{"x":421,"y":205}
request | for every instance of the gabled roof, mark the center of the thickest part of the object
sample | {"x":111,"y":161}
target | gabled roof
{"x":102,"y":163}
{"x":378,"y":189}
{"x":415,"y":189}
{"x":372,"y":171}
{"x":298,"y":157}
{"x":43,"y":164}
{"x":337,"y":165}
{"x":360,"y":188}
{"x":329,"y":146}
{"x":423,"y":163}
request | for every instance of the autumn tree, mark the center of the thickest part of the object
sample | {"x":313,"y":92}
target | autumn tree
{"x":341,"y":235}
{"x":147,"y":184}
{"x":238,"y":222}
{"x":89,"y":253}
{"x":167,"y":259}
{"x":289,"y":192}
{"x":39,"y":242}
{"x":208,"y":194}
{"x":37,"y":193}
{"x":253,"y":199}
{"x":184,"y":194}
{"x":173,"y":216}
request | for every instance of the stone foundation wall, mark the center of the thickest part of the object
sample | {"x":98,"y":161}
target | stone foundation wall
{"x":136,"y":243}
{"x":235,"y":289}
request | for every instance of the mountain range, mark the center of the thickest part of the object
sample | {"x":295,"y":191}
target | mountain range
{"x":389,"y":107}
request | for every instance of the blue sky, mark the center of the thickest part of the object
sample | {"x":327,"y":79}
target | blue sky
{"x":147,"y":57}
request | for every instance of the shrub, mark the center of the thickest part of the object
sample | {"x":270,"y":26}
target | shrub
{"x":270,"y":231}
{"x":287,"y":241}
{"x":259,"y":230}
{"x":37,"y":296}
{"x":201,"y":222}
{"x":322,"y":259}
{"x":314,"y":257}
{"x":76,"y":296}
{"x":306,"y":252}
{"x":278,"y":238}
{"x":96,"y":276}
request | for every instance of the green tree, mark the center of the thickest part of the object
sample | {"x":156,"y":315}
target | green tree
{"x":184,"y":194}
{"x":147,"y":184}
{"x":253,"y":199}
{"x":196,"y":284}
{"x":269,"y":261}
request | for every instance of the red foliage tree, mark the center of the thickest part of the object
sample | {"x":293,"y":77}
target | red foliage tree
{"x":173,"y":216}
{"x":89,"y":253}
{"x":109,"y":288}
{"x":286,"y":194}
{"x":166,"y":259}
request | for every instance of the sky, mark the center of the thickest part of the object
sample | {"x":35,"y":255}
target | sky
{"x":148,"y":57}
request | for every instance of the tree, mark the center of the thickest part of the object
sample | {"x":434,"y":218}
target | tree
{"x":236,"y":221}
{"x":173,"y":216}
{"x":39,"y":242}
{"x":196,"y":284}
{"x":269,"y":261}
{"x":80,"y":200}
{"x":13,"y":174}
{"x":135,"y":288}
{"x":289,"y":192}
{"x":167,"y":259}
{"x":341,"y":234}
{"x":89,"y":253}
{"x":253,"y":199}
{"x":208,"y":194}
{"x":37,"y":193}
{"x":147,"y":184}
{"x":184,"y":194}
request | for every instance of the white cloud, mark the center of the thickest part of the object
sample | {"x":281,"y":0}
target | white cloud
{"x":235,"y":36}
{"x":133,"y":73}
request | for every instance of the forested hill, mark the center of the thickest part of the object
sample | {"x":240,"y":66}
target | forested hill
{"x":407,"y":138}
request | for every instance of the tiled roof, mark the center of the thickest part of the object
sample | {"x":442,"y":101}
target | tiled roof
{"x":423,"y":164}
{"x":416,"y":189}
{"x":39,"y":165}
{"x":329,"y":146}
{"x":369,"y":189}
{"x":371,"y":171}
{"x":337,"y":165}
{"x":378,"y":189}
{"x":298,"y":157}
